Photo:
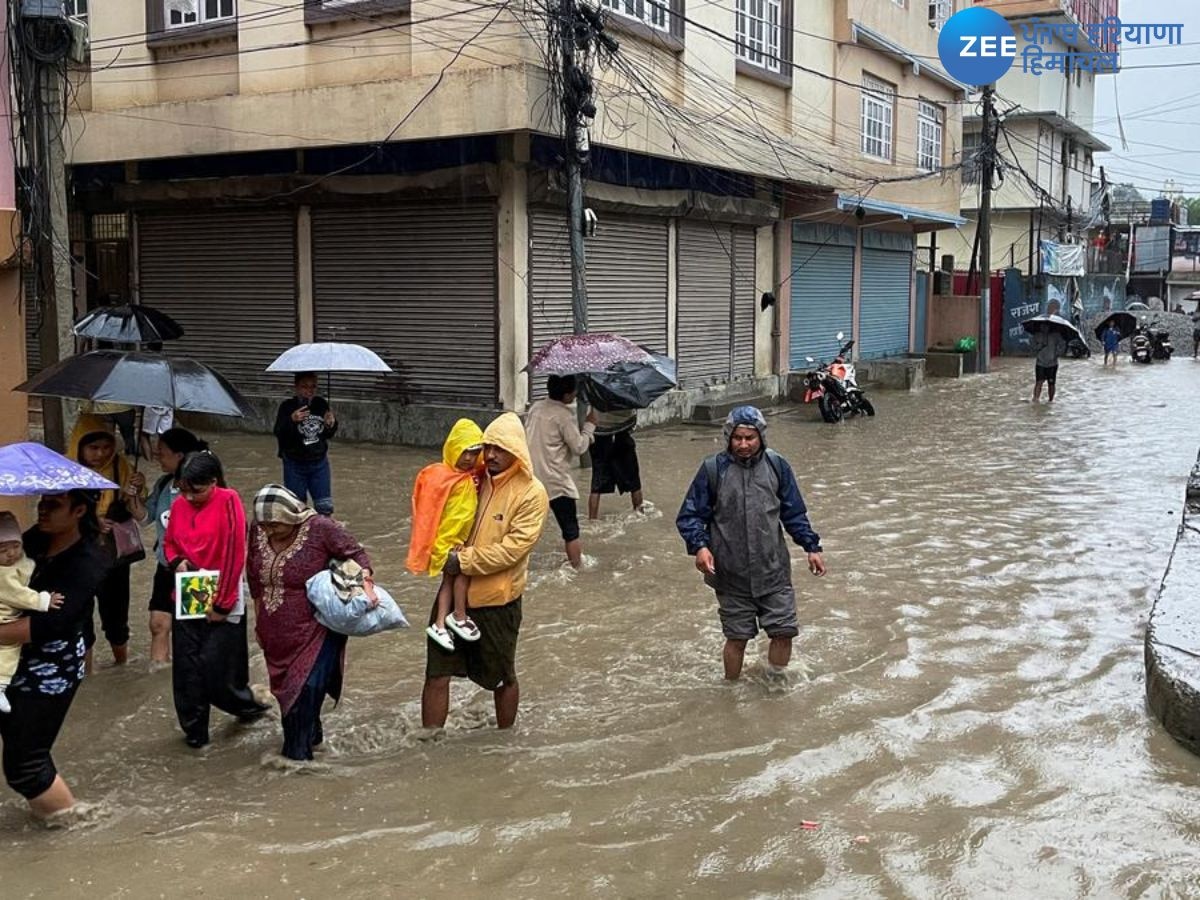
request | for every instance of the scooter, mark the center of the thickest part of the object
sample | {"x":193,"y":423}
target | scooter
{"x":1140,"y":349}
{"x":834,"y":387}
{"x":1160,"y":345}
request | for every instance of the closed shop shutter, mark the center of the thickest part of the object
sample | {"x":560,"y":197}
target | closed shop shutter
{"x":627,"y":263}
{"x":229,"y":278}
{"x":884,"y":303}
{"x":705,"y":310}
{"x":745,"y":300}
{"x":417,"y":284}
{"x":822,"y":299}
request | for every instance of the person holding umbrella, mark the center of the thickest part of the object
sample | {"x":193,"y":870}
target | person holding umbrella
{"x":304,"y":425}
{"x":1112,"y":342}
{"x":614,"y":460}
{"x":1049,"y":345}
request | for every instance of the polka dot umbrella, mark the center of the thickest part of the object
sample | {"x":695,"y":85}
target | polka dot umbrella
{"x":577,"y":354}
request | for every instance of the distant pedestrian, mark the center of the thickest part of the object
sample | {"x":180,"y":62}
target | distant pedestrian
{"x":304,"y":425}
{"x":555,"y":440}
{"x":733,"y":521}
{"x":615,"y":460}
{"x":1049,"y":346}
{"x":1112,"y":340}
{"x":156,"y":420}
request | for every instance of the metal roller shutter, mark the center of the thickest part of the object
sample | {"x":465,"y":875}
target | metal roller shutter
{"x":229,"y":278}
{"x":417,"y":284}
{"x":627,"y":263}
{"x":705,"y":309}
{"x":745,"y":299}
{"x":822,"y":300}
{"x":884,"y":309}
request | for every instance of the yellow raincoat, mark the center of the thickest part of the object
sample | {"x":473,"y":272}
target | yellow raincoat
{"x":512,"y":513}
{"x":443,"y":503}
{"x":117,"y":470}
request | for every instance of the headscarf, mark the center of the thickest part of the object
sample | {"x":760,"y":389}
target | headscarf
{"x":746,"y":416}
{"x":276,"y":504}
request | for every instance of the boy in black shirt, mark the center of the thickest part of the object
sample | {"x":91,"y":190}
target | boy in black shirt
{"x":303,"y":427}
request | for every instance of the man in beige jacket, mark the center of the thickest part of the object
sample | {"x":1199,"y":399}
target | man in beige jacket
{"x":555,"y":441}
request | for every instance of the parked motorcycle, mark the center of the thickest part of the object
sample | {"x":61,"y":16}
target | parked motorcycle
{"x":1140,"y":350}
{"x":834,"y":387}
{"x":1160,"y":344}
{"x":1151,"y":343}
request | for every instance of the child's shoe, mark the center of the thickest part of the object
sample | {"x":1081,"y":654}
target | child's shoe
{"x":466,"y":629}
{"x":440,"y":636}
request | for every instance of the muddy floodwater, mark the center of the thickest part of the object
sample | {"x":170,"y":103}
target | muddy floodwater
{"x":964,"y":718}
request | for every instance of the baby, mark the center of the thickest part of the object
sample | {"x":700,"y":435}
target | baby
{"x":16,"y":596}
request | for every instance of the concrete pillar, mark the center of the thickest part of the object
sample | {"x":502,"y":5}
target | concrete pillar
{"x":305,"y":309}
{"x":856,"y":290}
{"x":512,"y":272}
{"x":764,"y":283}
{"x":783,"y":297}
{"x":673,"y":288}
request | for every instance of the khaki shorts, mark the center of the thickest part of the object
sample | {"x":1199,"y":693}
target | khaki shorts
{"x":490,"y":661}
{"x":742,"y":617}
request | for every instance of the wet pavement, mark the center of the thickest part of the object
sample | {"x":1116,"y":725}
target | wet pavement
{"x":965,"y":716}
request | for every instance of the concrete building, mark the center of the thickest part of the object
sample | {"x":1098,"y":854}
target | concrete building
{"x":1047,"y":144}
{"x":387,"y":172}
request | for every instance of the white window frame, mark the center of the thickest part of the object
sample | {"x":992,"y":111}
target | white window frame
{"x":972,"y":141}
{"x":759,"y":32}
{"x":939,"y":12}
{"x":77,"y":9}
{"x":654,"y":14}
{"x":206,"y":12}
{"x":931,"y":130}
{"x":878,"y":119}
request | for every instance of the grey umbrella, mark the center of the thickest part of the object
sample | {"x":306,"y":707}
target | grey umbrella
{"x":630,"y":385}
{"x":1054,"y":323}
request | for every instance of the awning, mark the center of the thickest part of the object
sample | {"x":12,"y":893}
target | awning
{"x":869,"y":37}
{"x":920,"y":219}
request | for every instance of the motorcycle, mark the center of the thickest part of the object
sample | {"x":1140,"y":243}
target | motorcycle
{"x":1160,"y":345}
{"x":834,"y":387}
{"x":1149,"y":344}
{"x":1140,"y":350}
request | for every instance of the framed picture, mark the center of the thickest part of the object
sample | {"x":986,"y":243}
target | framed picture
{"x":194,"y":593}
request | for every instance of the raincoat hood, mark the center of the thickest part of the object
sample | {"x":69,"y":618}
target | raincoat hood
{"x":746,"y":415}
{"x":464,"y":434}
{"x":87,"y":426}
{"x":507,"y":433}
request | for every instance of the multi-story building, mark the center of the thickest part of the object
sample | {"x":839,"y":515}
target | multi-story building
{"x":388,"y":172}
{"x":1046,"y":143}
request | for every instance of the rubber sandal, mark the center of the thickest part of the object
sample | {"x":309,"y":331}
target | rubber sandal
{"x":466,"y":629}
{"x":440,"y":637}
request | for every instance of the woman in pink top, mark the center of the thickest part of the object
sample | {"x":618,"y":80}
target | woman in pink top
{"x":210,"y":662}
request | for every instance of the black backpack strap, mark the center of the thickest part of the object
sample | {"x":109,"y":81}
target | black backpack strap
{"x":714,"y":480}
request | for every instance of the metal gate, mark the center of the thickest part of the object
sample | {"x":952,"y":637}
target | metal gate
{"x":229,"y":278}
{"x":884,"y":309}
{"x":822,"y":296}
{"x":415,"y":282}
{"x":745,"y":299}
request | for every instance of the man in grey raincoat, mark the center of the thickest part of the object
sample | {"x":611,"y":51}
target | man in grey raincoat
{"x":733,"y":521}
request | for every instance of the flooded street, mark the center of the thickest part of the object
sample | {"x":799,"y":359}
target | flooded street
{"x":965,"y":717}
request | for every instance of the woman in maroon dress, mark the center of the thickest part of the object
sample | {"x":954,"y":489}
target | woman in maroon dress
{"x":289,"y":544}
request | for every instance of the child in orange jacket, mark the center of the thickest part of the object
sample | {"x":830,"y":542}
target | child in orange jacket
{"x":445,"y":497}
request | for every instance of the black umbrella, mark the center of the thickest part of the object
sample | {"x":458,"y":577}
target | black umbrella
{"x":139,"y":379}
{"x":1054,"y":323}
{"x":630,"y":385}
{"x":128,"y":325}
{"x":1126,"y":323}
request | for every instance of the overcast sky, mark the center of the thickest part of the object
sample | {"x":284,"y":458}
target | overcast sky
{"x":1160,"y":107}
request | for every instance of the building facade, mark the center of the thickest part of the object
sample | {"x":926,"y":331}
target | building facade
{"x":389,"y":173}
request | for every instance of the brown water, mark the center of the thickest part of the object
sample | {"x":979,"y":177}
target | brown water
{"x":965,"y":716}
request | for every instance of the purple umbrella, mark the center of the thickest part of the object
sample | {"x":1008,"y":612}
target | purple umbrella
{"x":27,"y":469}
{"x":577,"y":353}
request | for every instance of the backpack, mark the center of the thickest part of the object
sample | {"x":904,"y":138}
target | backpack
{"x":714,"y":476}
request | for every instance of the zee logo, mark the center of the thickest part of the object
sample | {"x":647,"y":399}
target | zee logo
{"x":977,"y":46}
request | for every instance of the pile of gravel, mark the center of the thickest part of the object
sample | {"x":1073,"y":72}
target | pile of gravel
{"x":1180,"y":326}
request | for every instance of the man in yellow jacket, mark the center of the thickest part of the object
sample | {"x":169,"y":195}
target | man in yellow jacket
{"x":511,"y":514}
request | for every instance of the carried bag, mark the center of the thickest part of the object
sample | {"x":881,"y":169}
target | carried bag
{"x":127,"y":537}
{"x":352,"y":617}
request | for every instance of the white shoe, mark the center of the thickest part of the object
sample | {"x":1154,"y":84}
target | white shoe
{"x":466,"y":629}
{"x":440,"y":637}
{"x":5,"y":706}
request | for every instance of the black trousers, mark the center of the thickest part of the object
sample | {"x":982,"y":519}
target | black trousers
{"x":112,"y":599}
{"x":210,"y":667}
{"x":29,"y":732}
{"x":302,"y":724}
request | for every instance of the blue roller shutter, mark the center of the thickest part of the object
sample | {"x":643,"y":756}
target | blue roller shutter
{"x":822,"y":298}
{"x":884,"y":310}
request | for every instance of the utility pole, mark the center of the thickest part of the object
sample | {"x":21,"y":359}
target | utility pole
{"x":988,"y":149}
{"x":576,"y":91}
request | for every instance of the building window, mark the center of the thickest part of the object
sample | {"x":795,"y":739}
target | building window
{"x":929,"y":135}
{"x":878,"y":114}
{"x":759,"y":32}
{"x":186,"y":13}
{"x":648,"y":12}
{"x":971,"y":169}
{"x":939,"y":12}
{"x":77,"y":8}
